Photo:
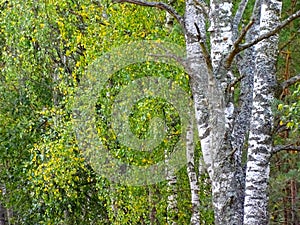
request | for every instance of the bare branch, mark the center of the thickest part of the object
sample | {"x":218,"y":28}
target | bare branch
{"x":238,"y":16}
{"x":290,"y":81}
{"x":204,"y":49}
{"x":159,"y":5}
{"x":231,"y":85}
{"x":290,"y":147}
{"x":271,"y":33}
{"x":236,"y":48}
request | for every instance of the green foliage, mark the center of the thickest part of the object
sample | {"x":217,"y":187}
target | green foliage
{"x":45,"y":176}
{"x":61,"y":184}
{"x":46,"y":47}
{"x":141,"y":115}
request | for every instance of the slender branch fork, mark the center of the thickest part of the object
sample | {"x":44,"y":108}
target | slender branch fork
{"x":236,"y":47}
{"x":159,"y":5}
{"x":204,"y":49}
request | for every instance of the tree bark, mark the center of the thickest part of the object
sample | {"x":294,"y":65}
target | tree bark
{"x":193,"y":179}
{"x":172,"y":208}
{"x":2,"y":215}
{"x":214,"y":117}
{"x":260,"y":137}
{"x":169,"y":18}
{"x":241,"y":124}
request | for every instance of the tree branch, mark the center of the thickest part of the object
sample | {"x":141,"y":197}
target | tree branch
{"x":204,"y":49}
{"x":236,"y":48}
{"x":290,"y":147}
{"x":231,"y":85}
{"x":238,"y":16}
{"x":271,"y":33}
{"x":290,"y":81}
{"x":159,"y":5}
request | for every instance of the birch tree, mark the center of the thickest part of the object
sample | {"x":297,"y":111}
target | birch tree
{"x":194,"y":185}
{"x":2,"y":215}
{"x":239,"y":195}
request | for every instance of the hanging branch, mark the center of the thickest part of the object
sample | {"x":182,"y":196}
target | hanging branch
{"x":159,"y":5}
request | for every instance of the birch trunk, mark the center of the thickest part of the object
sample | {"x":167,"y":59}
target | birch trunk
{"x":213,"y":117}
{"x":260,"y":137}
{"x":172,"y":209}
{"x":3,"y":211}
{"x":169,"y":18}
{"x":198,"y":77}
{"x":241,"y":124}
{"x":2,"y":215}
{"x":193,"y":179}
{"x":226,"y":185}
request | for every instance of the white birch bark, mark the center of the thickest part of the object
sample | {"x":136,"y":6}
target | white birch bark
{"x":211,"y":114}
{"x":203,"y":88}
{"x":260,"y":139}
{"x":238,"y":17}
{"x":220,"y":29}
{"x":2,"y":215}
{"x":193,"y":179}
{"x":198,"y":72}
{"x":246,"y":66}
{"x":172,"y":208}
{"x":227,"y":199}
{"x":169,"y":18}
